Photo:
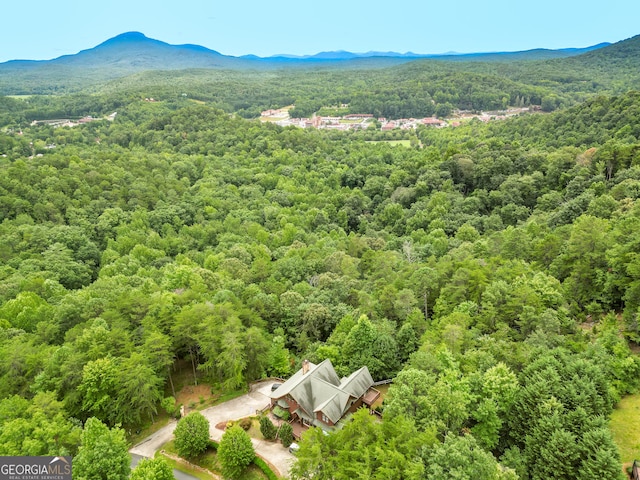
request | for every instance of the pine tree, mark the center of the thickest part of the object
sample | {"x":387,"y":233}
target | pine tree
{"x":286,"y":434}
{"x":267,"y":428}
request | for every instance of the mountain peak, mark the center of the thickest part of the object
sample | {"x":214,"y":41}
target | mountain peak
{"x":127,"y":37}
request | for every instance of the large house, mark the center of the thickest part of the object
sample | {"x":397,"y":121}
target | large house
{"x":316,"y":396}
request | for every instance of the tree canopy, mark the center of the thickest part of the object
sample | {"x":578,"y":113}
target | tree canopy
{"x":235,"y":451}
{"x":490,"y":269}
{"x":192,"y":435}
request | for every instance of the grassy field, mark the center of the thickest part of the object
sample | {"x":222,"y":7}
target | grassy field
{"x":625,"y":427}
{"x":183,"y":467}
{"x":273,"y":119}
{"x":404,"y":143}
{"x":383,"y":389}
{"x":254,"y":431}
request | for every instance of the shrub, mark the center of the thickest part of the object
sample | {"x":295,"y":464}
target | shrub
{"x":245,"y":423}
{"x":169,"y":405}
{"x":267,"y":428}
{"x":192,"y":435}
{"x":281,"y":413}
{"x":286,"y":434}
{"x":262,"y":465}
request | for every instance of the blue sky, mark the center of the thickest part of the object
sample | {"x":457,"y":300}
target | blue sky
{"x":41,"y":29}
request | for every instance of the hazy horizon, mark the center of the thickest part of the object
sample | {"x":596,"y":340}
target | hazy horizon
{"x":301,"y":55}
{"x":51,"y":30}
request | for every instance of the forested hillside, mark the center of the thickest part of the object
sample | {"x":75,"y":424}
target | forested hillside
{"x":132,"y":52}
{"x":420,"y":88}
{"x":377,"y":86}
{"x":491,"y":269}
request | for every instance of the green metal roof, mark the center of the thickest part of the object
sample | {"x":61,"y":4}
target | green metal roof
{"x":320,"y":389}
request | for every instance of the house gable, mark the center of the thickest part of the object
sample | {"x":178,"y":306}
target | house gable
{"x":312,"y":393}
{"x":323,"y":371}
{"x":334,"y":407}
{"x":357,"y":383}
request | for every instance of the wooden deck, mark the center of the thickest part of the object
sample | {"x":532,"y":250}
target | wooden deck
{"x":298,"y":429}
{"x":371,"y":396}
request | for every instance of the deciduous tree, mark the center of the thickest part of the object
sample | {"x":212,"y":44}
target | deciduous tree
{"x":103,"y":453}
{"x":192,"y":435}
{"x":235,"y":451}
{"x":152,"y":469}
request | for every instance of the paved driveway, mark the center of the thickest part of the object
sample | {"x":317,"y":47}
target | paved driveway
{"x":235,"y":409}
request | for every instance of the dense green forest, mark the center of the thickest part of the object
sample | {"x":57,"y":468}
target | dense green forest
{"x":491,"y":269}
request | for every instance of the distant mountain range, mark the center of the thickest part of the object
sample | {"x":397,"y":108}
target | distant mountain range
{"x":539,"y":53}
{"x":133,"y":52}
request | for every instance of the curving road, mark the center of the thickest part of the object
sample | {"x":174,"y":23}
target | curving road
{"x":235,"y":409}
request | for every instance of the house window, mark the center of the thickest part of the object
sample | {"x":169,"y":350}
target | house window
{"x":325,"y":419}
